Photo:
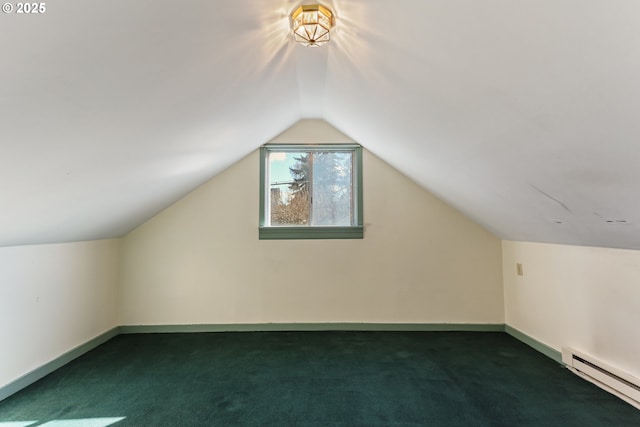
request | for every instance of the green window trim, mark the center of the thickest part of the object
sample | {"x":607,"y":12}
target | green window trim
{"x":355,"y":231}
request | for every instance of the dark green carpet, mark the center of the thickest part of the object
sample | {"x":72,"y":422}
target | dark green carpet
{"x":318,"y":379}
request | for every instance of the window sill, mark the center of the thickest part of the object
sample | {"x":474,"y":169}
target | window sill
{"x":291,"y":233}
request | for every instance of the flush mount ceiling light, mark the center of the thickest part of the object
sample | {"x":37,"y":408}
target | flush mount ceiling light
{"x":311,"y":24}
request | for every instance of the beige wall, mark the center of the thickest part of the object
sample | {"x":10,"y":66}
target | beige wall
{"x":582,"y":297}
{"x":54,"y":298}
{"x":200,"y":261}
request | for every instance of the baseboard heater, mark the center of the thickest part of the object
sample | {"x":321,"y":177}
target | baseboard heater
{"x":621,"y":384}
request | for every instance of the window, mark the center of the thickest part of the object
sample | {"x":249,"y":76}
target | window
{"x":311,"y":192}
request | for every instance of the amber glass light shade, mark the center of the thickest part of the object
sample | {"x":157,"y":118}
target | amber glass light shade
{"x":311,"y":24}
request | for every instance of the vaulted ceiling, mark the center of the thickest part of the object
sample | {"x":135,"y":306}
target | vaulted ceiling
{"x":522,"y":115}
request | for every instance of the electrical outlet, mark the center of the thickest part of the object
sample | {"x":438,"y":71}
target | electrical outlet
{"x":519,"y":269}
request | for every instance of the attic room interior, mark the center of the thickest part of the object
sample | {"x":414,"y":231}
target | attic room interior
{"x":493,"y":193}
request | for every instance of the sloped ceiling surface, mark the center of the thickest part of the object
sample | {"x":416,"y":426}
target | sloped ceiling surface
{"x":523,"y":115}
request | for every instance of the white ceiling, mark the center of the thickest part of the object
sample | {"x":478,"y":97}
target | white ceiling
{"x":523,"y":115}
